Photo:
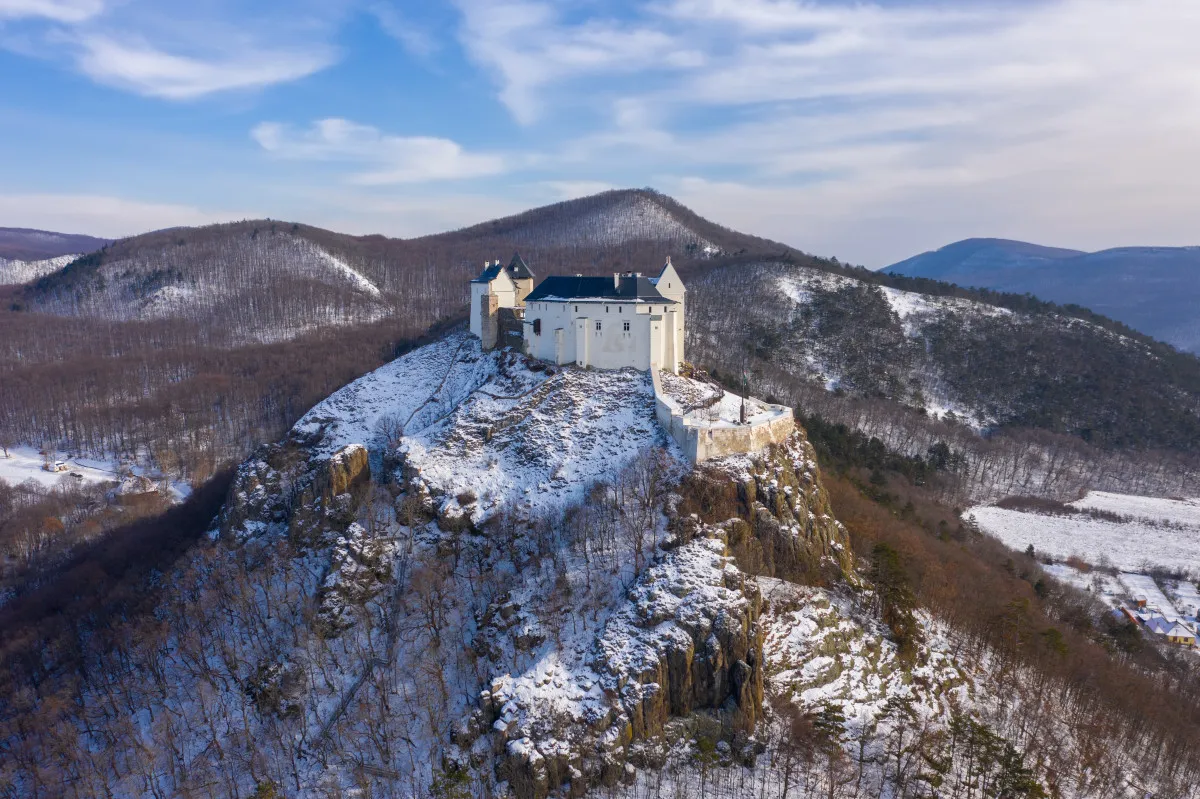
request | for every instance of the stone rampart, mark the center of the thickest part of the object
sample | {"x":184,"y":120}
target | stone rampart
{"x":701,"y":440}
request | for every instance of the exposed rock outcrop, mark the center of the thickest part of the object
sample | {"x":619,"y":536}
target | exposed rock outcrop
{"x":348,"y":467}
{"x":776,"y":513}
{"x":689,"y":637}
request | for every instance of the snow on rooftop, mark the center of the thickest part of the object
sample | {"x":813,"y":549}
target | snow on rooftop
{"x":1143,"y":586}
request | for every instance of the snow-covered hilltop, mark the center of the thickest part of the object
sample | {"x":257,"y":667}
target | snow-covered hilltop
{"x":257,"y":288}
{"x":16,"y":272}
{"x":475,"y":572}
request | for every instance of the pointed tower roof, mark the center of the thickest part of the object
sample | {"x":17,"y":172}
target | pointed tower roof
{"x":518,"y":269}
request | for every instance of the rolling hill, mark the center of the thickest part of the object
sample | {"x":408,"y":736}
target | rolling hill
{"x":1155,"y":290}
{"x":192,"y":345}
{"x":204,"y":341}
{"x":24,"y":244}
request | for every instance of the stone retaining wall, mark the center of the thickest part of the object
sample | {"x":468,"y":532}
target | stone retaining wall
{"x":701,"y":441}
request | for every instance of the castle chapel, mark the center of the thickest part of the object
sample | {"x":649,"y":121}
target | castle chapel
{"x":628,"y":320}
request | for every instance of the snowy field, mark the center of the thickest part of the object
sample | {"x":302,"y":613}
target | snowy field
{"x":1184,"y":596}
{"x":1176,"y":511}
{"x":1102,"y":584}
{"x":26,"y":464}
{"x":1143,"y":585}
{"x":1159,"y":532}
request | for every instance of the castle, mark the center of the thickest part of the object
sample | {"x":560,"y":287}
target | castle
{"x":629,"y":320}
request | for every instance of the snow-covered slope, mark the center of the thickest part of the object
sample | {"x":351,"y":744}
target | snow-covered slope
{"x":18,"y":272}
{"x":1152,"y":289}
{"x":798,"y":329}
{"x":610,"y":219}
{"x":1130,"y":532}
{"x":260,"y":288}
{"x":484,"y":425}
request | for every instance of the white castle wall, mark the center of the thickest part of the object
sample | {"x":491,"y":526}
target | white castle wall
{"x":701,"y":441}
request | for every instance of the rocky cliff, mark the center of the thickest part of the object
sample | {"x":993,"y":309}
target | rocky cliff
{"x":687,"y":639}
{"x":536,"y":536}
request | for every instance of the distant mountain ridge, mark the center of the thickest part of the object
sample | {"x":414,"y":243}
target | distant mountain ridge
{"x":1155,"y":290}
{"x":27,"y":244}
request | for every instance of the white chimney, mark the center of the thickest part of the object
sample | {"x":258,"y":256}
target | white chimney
{"x":616,"y":280}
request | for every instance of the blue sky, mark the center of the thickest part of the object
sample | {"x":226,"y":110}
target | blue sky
{"x":868,"y":131}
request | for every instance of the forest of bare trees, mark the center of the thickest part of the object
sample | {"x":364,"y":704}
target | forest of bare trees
{"x":1110,"y":415}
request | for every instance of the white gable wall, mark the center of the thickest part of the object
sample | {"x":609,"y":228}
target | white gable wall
{"x":671,"y":286}
{"x":478,"y":292}
{"x":502,"y":288}
{"x":592,"y":333}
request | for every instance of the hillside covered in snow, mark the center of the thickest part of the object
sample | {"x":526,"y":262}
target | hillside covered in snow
{"x":17,"y":272}
{"x":1152,"y":289}
{"x":1003,"y":395}
{"x":473,"y":574}
{"x":204,"y":341}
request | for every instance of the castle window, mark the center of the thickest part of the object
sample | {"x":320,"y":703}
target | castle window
{"x":606,"y":309}
{"x":576,"y":309}
{"x":537,"y":327}
{"x":597,"y":325}
{"x":626,"y":327}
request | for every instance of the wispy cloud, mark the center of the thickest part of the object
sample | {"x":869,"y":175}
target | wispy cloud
{"x":173,"y":50}
{"x":529,"y":47}
{"x":56,"y":10}
{"x":142,"y":68}
{"x":993,"y":114}
{"x":101,"y":215}
{"x":386,"y":158}
{"x":415,"y":38}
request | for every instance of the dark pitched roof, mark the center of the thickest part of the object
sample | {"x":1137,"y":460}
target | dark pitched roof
{"x":632,"y":287}
{"x":490,"y":273}
{"x":518,"y":269}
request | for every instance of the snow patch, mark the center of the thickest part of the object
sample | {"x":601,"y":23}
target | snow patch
{"x":1167,"y":538}
{"x":17,"y":272}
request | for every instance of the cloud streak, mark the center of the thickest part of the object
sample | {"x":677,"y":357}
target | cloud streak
{"x":388,"y":159}
{"x":104,"y":215}
{"x":176,"y":51}
{"x":142,"y":68}
{"x":901,"y":116}
{"x":69,"y":11}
